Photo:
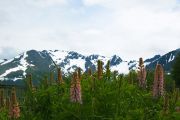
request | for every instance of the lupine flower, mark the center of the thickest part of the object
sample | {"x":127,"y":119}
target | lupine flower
{"x":30,"y":83}
{"x":14,"y":108}
{"x":75,"y":90}
{"x":15,"y":111}
{"x":142,"y":74}
{"x":100,"y":69}
{"x":158,"y":85}
{"x":108,"y":71}
{"x":60,"y":79}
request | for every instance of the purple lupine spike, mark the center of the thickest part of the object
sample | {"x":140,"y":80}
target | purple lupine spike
{"x":142,"y":74}
{"x":75,"y":90}
{"x":158,"y":85}
{"x":14,"y":108}
{"x":60,"y":78}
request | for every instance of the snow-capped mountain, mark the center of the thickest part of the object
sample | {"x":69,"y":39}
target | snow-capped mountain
{"x":2,"y":60}
{"x":165,"y":60}
{"x":69,"y":61}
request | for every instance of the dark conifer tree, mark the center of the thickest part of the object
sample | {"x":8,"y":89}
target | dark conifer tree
{"x":176,"y":70}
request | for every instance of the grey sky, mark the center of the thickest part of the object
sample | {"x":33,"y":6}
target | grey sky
{"x":8,"y":52}
{"x":128,"y":28}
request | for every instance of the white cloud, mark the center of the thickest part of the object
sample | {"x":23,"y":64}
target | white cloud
{"x":8,"y":52}
{"x":125,"y":4}
{"x":46,"y":3}
{"x":129,"y":28}
{"x":92,"y":32}
{"x":96,"y":2}
{"x":141,"y":25}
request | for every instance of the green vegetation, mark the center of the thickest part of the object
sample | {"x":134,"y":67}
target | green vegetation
{"x":176,"y":70}
{"x":102,"y":95}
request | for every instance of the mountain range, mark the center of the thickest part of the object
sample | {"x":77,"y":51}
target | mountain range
{"x":43,"y":62}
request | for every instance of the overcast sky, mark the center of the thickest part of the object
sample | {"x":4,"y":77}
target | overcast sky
{"x":128,"y":28}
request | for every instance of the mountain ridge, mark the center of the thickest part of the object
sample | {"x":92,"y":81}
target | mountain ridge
{"x":69,"y":61}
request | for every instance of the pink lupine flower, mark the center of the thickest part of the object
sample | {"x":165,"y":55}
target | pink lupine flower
{"x":142,"y":74}
{"x":14,"y":111}
{"x":60,"y":78}
{"x":75,"y":90}
{"x":158,"y":85}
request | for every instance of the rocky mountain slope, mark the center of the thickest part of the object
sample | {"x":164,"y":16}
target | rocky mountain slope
{"x":42,"y":61}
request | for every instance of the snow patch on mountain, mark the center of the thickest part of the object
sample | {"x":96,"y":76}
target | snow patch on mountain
{"x":121,"y":68}
{"x":133,"y":65}
{"x":171,"y":58}
{"x":75,"y":63}
{"x":146,"y":63}
{"x":8,"y":61}
{"x":58,"y":56}
{"x":1,"y":61}
{"x":22,"y":65}
{"x":9,"y":71}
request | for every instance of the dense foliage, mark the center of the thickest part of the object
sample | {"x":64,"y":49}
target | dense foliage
{"x":176,"y":70}
{"x":104,"y":96}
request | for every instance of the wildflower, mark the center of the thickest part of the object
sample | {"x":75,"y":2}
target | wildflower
{"x":108,"y":71}
{"x":14,"y":108}
{"x":75,"y":90}
{"x":60,"y":79}
{"x":142,"y":74}
{"x":100,"y":69}
{"x":158,"y":85}
{"x":15,"y":111}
